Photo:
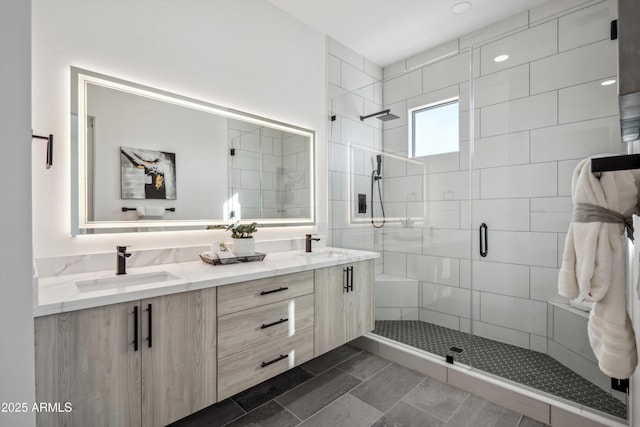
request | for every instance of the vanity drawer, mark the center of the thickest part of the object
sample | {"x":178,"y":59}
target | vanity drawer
{"x":255,"y":293}
{"x":241,"y":330}
{"x":257,"y":364}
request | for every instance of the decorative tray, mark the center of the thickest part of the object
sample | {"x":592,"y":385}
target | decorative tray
{"x":211,"y":258}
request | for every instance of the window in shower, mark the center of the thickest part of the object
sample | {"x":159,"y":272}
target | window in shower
{"x":434,"y":128}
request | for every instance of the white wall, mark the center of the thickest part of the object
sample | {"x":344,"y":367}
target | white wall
{"x":17,"y":382}
{"x":246,"y":55}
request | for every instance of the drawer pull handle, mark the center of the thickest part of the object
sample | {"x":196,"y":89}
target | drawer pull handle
{"x":280,"y":289}
{"x":277,"y":359}
{"x":135,"y":328}
{"x":277,"y":322}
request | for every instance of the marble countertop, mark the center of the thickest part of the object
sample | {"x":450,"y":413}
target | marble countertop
{"x":57,"y":294}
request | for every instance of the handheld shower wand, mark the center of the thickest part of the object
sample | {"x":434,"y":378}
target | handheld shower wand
{"x":375,"y":176}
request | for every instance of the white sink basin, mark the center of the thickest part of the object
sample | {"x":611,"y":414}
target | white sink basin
{"x":325,"y":253}
{"x":126,"y":280}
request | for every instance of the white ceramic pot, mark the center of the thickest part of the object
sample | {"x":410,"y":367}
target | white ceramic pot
{"x":244,"y":247}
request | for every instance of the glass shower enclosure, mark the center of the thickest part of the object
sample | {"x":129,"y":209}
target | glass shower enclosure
{"x":473,"y":237}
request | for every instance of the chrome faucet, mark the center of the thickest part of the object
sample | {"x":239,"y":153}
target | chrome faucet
{"x":122,"y":256}
{"x":308,"y":242}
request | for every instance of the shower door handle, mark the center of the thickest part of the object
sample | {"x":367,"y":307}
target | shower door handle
{"x":484,"y":243}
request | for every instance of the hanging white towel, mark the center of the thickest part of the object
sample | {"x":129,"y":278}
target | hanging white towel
{"x":593,"y":266}
{"x":635,"y":258}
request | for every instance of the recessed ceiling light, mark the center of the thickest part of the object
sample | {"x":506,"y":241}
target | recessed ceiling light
{"x":501,"y":58}
{"x":460,"y":7}
{"x":608,"y":82}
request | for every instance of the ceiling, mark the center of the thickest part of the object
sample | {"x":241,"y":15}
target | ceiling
{"x":386,"y":31}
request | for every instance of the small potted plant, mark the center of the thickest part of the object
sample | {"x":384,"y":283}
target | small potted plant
{"x":242,"y":235}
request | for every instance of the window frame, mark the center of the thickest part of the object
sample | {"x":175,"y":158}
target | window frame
{"x":411,"y":124}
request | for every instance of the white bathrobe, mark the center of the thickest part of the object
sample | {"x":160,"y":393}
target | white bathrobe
{"x":593,"y":266}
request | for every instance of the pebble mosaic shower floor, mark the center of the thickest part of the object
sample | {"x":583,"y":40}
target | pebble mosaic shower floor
{"x":521,"y":365}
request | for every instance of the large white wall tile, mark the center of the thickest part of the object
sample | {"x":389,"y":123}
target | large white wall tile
{"x":333,"y":70}
{"x":439,"y":270}
{"x":407,"y":240}
{"x":500,"y":278}
{"x":394,"y":69}
{"x":337,"y":157}
{"x":511,"y":24}
{"x":396,"y":294}
{"x":544,"y":284}
{"x":385,"y":313}
{"x":355,"y":132}
{"x":533,"y":180}
{"x":551,"y":214}
{"x":501,"y":214}
{"x":402,"y":87}
{"x":441,"y":319}
{"x":446,"y":299}
{"x":374,"y":70}
{"x":403,"y":189}
{"x":501,"y":334}
{"x":587,"y":101}
{"x":570,"y":330}
{"x":446,"y":243}
{"x":346,"y":54}
{"x":501,"y":86}
{"x":358,"y":238}
{"x":399,"y":109}
{"x":519,"y":247}
{"x":552,"y":9}
{"x":502,"y":150}
{"x":432,"y":55}
{"x":395,"y":263}
{"x":348,"y":105}
{"x":451,"y":185}
{"x":515,"y":313}
{"x":520,"y":114}
{"x":580,"y":65}
{"x":447,"y":162}
{"x":396,"y":140}
{"x":577,"y":140}
{"x":587,"y":25}
{"x":442,"y":214}
{"x":536,"y":42}
{"x":446,"y":72}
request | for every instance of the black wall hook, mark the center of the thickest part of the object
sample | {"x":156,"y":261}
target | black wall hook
{"x":49,"y":140}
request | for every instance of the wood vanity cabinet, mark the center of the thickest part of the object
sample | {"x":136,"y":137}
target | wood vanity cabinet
{"x":87,"y":358}
{"x":344,"y":304}
{"x":265,"y":327}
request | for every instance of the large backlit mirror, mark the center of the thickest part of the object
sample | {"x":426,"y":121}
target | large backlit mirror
{"x":149,"y":160}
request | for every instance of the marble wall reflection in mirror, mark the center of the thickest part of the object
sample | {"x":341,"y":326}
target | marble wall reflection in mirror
{"x":148,"y":160}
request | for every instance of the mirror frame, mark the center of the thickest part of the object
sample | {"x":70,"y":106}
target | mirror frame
{"x":80,"y":224}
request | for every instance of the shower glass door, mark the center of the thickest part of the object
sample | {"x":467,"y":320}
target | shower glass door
{"x":538,"y":109}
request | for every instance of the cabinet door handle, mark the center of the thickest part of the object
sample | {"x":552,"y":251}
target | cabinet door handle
{"x":150,"y":325}
{"x":345,"y":280}
{"x":277,"y":359}
{"x":351,"y":278}
{"x":277,"y":322}
{"x":483,"y":240}
{"x":280,"y":289}
{"x":135,"y":328}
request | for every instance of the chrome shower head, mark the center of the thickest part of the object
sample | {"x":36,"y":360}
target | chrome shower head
{"x":384,"y":115}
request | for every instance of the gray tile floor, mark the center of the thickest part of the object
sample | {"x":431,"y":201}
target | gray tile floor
{"x":521,"y":365}
{"x":352,"y":388}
